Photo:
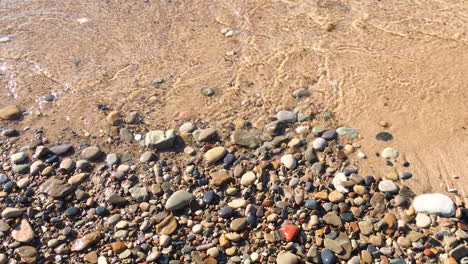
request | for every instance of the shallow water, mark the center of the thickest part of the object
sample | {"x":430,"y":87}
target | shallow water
{"x":404,"y":62}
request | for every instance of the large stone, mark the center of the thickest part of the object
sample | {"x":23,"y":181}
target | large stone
{"x":179,"y":200}
{"x":10,"y":112}
{"x":56,"y":188}
{"x":23,"y":232}
{"x":244,"y":138}
{"x":27,"y":253}
{"x":85,"y":241}
{"x":160,"y":139}
{"x":434,"y":203}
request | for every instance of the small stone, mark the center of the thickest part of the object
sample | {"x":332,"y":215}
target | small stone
{"x":244,"y":138}
{"x":403,"y":242}
{"x":146,"y":157}
{"x":220,"y":179}
{"x":204,"y":135}
{"x":91,"y":153}
{"x":333,"y":219}
{"x":215,"y":154}
{"x":289,"y":161}
{"x":423,"y":220}
{"x":388,"y":186}
{"x":139,"y":193}
{"x":289,"y":231}
{"x":319,"y":144}
{"x":159,"y":139}
{"x":167,"y":226}
{"x":248,"y":178}
{"x":91,"y":257}
{"x":210,"y":91}
{"x":238,"y":224}
{"x":113,"y":118}
{"x":10,"y":112}
{"x":300,"y":93}
{"x":11,"y":212}
{"x":333,"y":245}
{"x":366,"y":227}
{"x":335,"y":197}
{"x":384,"y":136}
{"x":347,"y":132}
{"x":287,"y":258}
{"x":226,"y":212}
{"x":23,"y":232}
{"x":61,"y":149}
{"x":85,"y":241}
{"x":286,"y":116}
{"x":187,"y":127}
{"x":389,"y":153}
{"x":56,"y":188}
{"x":328,"y":257}
{"x":213,"y":252}
{"x":179,"y":200}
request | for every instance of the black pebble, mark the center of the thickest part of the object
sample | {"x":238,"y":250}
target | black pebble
{"x":384,"y":136}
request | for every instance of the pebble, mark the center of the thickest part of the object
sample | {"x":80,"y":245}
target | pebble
{"x":384,"y":136}
{"x":389,"y":153}
{"x":300,"y":93}
{"x":286,"y":116}
{"x":85,"y":241}
{"x":23,"y":232}
{"x":91,"y":153}
{"x":327,"y":257}
{"x":215,"y":154}
{"x":10,"y":212}
{"x":388,"y":186}
{"x":287,"y":258}
{"x":434,"y":203}
{"x":10,"y":112}
{"x":289,"y":161}
{"x":244,"y":138}
{"x":347,"y":132}
{"x":423,"y":221}
{"x":160,"y":139}
{"x":27,"y":253}
{"x":319,"y":144}
{"x":248,"y":178}
{"x":179,"y":200}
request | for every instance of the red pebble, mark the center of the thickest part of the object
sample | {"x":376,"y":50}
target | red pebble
{"x":289,"y":231}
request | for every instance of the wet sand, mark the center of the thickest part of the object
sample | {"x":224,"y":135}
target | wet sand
{"x":403,"y":62}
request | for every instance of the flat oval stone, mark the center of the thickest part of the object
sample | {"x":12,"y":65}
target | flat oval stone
{"x":434,"y":203}
{"x":85,"y":241}
{"x":208,"y":197}
{"x":388,"y":186}
{"x":179,"y":200}
{"x":61,"y":149}
{"x":23,"y":232}
{"x":384,"y":136}
{"x":329,"y":134}
{"x":215,"y":154}
{"x":91,"y":153}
